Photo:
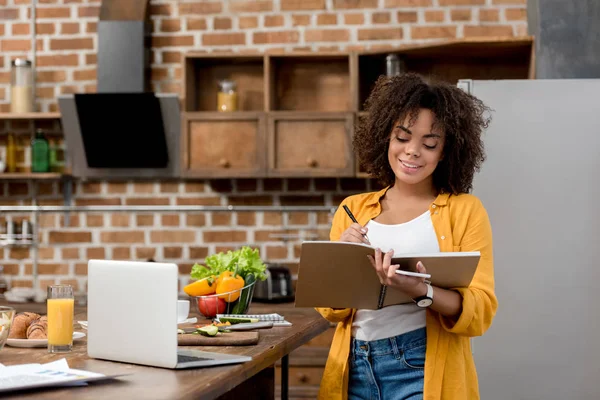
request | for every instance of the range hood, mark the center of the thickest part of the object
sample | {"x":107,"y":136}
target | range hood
{"x":124,"y":130}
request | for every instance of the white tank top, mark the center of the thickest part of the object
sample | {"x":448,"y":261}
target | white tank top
{"x":415,"y":236}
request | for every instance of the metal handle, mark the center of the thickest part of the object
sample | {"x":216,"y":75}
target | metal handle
{"x":223,"y":162}
{"x":311,"y":162}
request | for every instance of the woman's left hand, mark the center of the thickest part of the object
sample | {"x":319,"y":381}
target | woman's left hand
{"x":411,"y":285}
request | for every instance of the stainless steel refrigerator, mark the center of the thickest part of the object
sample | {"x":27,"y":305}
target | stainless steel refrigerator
{"x":541,"y":187}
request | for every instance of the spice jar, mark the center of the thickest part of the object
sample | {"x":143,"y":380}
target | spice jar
{"x":394,"y":65}
{"x":227,"y":96}
{"x":21,"y":86}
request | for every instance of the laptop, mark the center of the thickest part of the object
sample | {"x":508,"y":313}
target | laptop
{"x":132,"y":316}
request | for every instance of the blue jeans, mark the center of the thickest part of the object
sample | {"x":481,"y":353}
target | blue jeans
{"x":388,"y":369}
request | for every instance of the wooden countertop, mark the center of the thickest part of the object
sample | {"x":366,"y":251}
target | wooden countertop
{"x":150,"y":382}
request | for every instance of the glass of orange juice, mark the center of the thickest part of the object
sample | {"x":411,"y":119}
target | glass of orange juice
{"x":60,"y":312}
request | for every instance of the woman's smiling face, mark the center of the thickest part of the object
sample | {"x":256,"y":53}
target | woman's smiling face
{"x":416,"y":149}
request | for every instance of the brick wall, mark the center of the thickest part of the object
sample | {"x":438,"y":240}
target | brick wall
{"x":66,"y":58}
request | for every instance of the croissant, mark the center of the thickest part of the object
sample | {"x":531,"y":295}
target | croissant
{"x":38,"y":329}
{"x":21,"y":323}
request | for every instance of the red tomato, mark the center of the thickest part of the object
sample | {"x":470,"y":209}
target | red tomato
{"x":211,"y":306}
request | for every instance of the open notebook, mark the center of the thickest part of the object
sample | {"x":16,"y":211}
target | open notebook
{"x":339,"y":275}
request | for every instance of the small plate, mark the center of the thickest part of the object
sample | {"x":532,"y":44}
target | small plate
{"x":38,"y":342}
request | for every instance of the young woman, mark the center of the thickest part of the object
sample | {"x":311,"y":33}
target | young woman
{"x":423,"y":142}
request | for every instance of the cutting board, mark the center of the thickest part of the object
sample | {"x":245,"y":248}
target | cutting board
{"x":222,"y":339}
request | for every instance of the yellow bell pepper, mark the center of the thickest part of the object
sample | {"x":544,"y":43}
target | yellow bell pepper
{"x":228,"y":282}
{"x":202,"y":287}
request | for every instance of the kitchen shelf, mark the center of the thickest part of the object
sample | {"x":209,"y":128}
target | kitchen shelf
{"x":32,"y":116}
{"x":40,"y":176}
{"x":298,"y":110}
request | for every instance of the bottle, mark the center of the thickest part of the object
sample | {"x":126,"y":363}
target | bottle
{"x":40,"y":160}
{"x":11,"y":154}
{"x":227,"y":96}
{"x":393,"y":65}
{"x":21,"y":86}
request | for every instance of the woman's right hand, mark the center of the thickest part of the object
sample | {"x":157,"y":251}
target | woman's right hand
{"x":355,"y":234}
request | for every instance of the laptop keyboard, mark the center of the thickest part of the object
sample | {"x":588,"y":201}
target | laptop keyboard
{"x":183,"y":359}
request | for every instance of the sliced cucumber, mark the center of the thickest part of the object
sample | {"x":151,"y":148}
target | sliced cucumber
{"x":209,"y":330}
{"x":236,"y":320}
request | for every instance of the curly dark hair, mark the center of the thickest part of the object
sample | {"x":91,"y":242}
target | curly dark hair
{"x":460,"y":115}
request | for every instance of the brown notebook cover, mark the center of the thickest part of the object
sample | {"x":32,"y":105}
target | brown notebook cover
{"x":339,"y":275}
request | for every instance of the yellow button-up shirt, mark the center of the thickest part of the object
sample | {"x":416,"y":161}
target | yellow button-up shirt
{"x":461,"y":224}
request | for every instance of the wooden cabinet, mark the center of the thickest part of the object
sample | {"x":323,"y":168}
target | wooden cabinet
{"x":296,"y":112}
{"x":305,"y":144}
{"x":217,"y":145}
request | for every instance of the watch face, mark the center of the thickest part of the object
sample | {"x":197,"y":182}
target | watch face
{"x":424,"y":302}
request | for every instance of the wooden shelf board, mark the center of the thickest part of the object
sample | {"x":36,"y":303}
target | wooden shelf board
{"x":34,"y":115}
{"x":30,"y":176}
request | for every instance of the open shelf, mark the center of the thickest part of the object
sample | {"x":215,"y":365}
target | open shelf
{"x":310,"y":82}
{"x":31,"y":176}
{"x":34,"y":115}
{"x":204,"y":71}
{"x":489,"y":58}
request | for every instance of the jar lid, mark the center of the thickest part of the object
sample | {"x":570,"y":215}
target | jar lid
{"x":21,"y":62}
{"x":227,"y":85}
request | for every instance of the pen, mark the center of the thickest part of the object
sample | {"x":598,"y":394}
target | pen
{"x":352,"y":218}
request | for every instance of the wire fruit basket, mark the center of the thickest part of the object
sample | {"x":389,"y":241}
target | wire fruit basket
{"x":234,"y":302}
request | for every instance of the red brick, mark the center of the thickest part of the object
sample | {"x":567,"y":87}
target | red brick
{"x":247,"y":22}
{"x":53,"y":269}
{"x":198,"y":253}
{"x":298,"y":218}
{"x":433,"y":32}
{"x":15,"y":45}
{"x":50,"y":12}
{"x":91,"y":59}
{"x":489,"y":15}
{"x":161,"y":9}
{"x":223,"y":39}
{"x":327,"y":19}
{"x":72,"y":44}
{"x":196,"y":24}
{"x":171,"y":57}
{"x":275,"y":37}
{"x":380,"y":34}
{"x":85,"y":75}
{"x":240,"y":6}
{"x":487,"y":30}
{"x":21,"y":283}
{"x":406,"y":16}
{"x":203,"y":7}
{"x":41,"y":28}
{"x":326,"y":35}
{"x":46,"y":253}
{"x":223,"y":218}
{"x":144,"y":220}
{"x":198,"y":201}
{"x":18,"y":253}
{"x":272,"y":218}
{"x":222,"y":23}
{"x":74,"y":221}
{"x":273,"y":20}
{"x":9,"y":13}
{"x":95,"y":252}
{"x":51,"y":76}
{"x":70,"y":253}
{"x":272,"y":235}
{"x":172,"y":252}
{"x":170,"y":25}
{"x":91,"y":27}
{"x":69,"y":237}
{"x":11,"y":269}
{"x":94,"y":221}
{"x":145,"y":252}
{"x":434,"y":16}
{"x":116,"y":187}
{"x":88,"y":12}
{"x":277,"y":252}
{"x":445,"y":3}
{"x":147,"y":201}
{"x":381,"y":18}
{"x":460,"y":14}
{"x":169,"y":220}
{"x":122,"y":237}
{"x":407,"y":3}
{"x":167,"y":41}
{"x":179,"y":236}
{"x":509,"y":2}
{"x":354,"y":19}
{"x":80,"y":269}
{"x":345,"y":4}
{"x":169,"y":187}
{"x":122,"y":253}
{"x":224,"y":236}
{"x":300,"y":20}
{"x":291,"y":5}
{"x":246,"y":218}
{"x":119,"y":220}
{"x":515,"y":14}
{"x":58,"y":60}
{"x":195,"y":220}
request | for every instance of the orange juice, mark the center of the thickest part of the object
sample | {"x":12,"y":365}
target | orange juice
{"x":60,"y":322}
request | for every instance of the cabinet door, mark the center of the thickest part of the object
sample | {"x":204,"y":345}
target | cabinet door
{"x":226,"y":146}
{"x":310,"y":145}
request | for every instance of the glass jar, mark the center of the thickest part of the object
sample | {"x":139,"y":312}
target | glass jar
{"x":21,"y":86}
{"x":227,"y":96}
{"x":40,"y":157}
{"x":394,"y":66}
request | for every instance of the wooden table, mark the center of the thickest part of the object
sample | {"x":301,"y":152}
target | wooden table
{"x":253,"y":379}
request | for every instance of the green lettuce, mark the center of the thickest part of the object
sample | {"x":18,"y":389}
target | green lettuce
{"x":244,"y":261}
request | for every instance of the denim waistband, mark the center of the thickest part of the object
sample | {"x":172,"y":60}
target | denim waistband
{"x":389,"y":345}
